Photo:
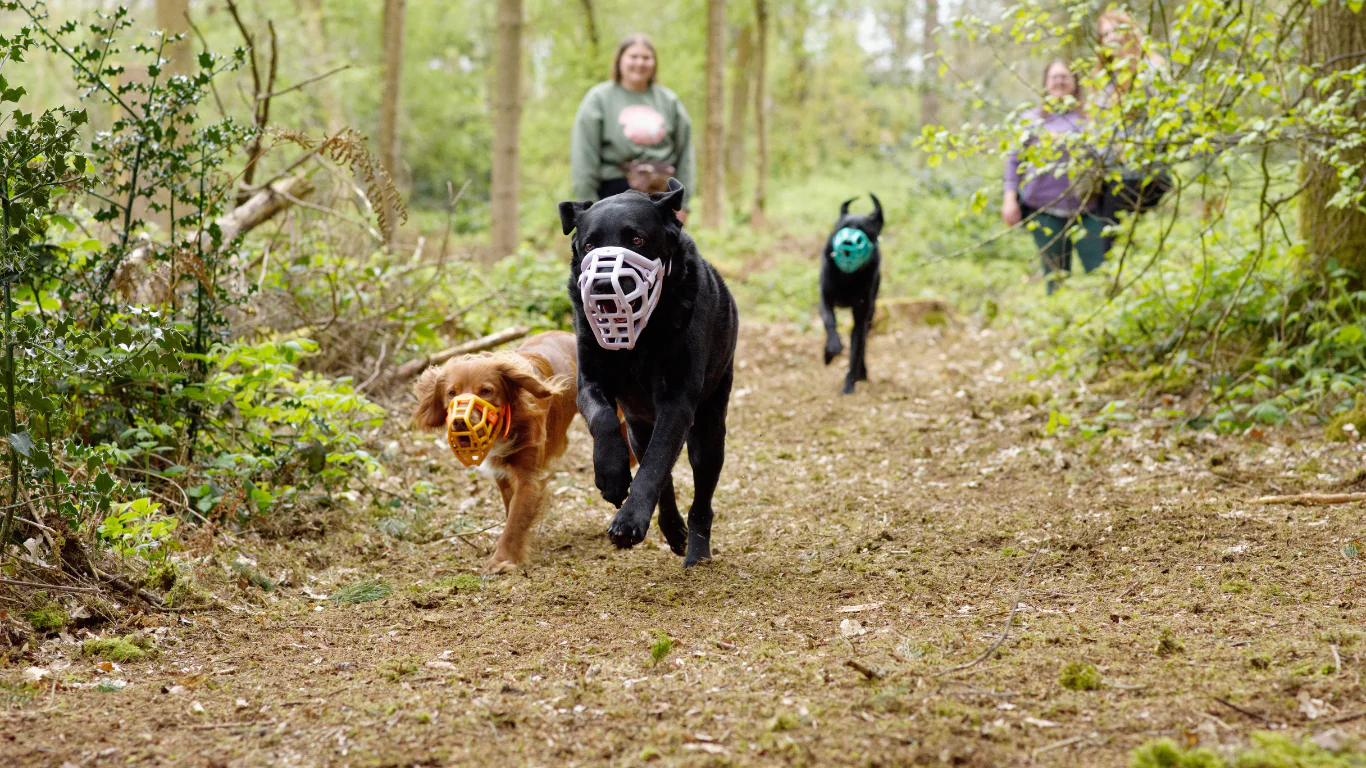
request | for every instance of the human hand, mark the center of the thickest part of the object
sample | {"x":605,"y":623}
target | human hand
{"x":1010,"y":211}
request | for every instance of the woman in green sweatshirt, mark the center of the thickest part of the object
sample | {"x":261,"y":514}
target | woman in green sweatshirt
{"x":630,"y":117}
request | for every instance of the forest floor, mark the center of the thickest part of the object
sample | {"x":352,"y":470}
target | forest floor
{"x":869,"y":550}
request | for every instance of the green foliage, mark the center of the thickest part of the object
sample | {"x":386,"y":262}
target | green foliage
{"x":137,"y":528}
{"x":1275,"y":750}
{"x":1080,"y":676}
{"x":120,"y":649}
{"x":1337,"y":429}
{"x":661,"y":647}
{"x":362,"y":592}
{"x":1164,"y":753}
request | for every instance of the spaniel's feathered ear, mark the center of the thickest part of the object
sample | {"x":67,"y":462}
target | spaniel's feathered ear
{"x":517,"y":374}
{"x":431,"y":401}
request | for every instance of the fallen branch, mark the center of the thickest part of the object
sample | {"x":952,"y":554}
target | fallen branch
{"x":413,"y":367}
{"x":141,"y":282}
{"x":1312,"y":498}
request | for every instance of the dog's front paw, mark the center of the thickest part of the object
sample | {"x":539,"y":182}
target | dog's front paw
{"x":833,"y":347}
{"x":627,"y":529}
{"x":612,"y":473}
{"x":848,"y":386}
{"x":501,"y":564}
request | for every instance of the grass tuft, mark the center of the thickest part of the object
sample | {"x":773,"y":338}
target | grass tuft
{"x":662,"y":647}
{"x":362,"y":592}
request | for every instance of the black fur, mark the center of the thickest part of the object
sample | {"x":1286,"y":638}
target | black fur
{"x":675,"y":384}
{"x":857,"y":290}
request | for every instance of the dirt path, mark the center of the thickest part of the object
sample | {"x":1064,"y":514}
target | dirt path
{"x":892,"y":530}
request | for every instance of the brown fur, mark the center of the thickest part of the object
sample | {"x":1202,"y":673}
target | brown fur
{"x":540,"y":380}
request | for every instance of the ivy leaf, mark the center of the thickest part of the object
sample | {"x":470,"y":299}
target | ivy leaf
{"x":11,"y":94}
{"x":206,"y":59}
{"x":21,"y":442}
{"x":104,"y":483}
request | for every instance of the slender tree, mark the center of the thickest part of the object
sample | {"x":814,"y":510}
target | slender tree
{"x":740,"y":94}
{"x":1333,"y":41}
{"x":929,"y":95}
{"x":713,"y":132}
{"x":759,"y":213}
{"x":334,"y":114}
{"x":507,"y":117}
{"x":394,"y":13}
{"x":173,"y":18}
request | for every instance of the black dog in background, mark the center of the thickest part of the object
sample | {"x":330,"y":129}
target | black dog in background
{"x":672,"y":385}
{"x":850,"y":275}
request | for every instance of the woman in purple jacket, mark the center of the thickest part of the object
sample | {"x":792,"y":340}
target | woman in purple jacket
{"x":1047,"y":196}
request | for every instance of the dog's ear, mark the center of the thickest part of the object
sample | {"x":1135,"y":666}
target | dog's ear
{"x":569,"y":213}
{"x":844,"y":206}
{"x":671,"y":200}
{"x":431,"y":411}
{"x":517,"y":374}
{"x":876,"y":219}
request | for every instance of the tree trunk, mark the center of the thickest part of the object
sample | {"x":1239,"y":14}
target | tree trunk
{"x":901,"y":41}
{"x":507,"y":116}
{"x":1334,"y":34}
{"x":929,"y":96}
{"x":713,"y":136}
{"x":740,"y":91}
{"x":173,"y":17}
{"x":759,"y":213}
{"x":394,"y":13}
{"x":334,"y":114}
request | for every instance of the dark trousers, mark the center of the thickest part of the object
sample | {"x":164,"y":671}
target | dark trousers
{"x":612,"y":187}
{"x":1053,"y":236}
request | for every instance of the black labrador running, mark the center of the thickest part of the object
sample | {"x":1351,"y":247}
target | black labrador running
{"x":656,"y":332}
{"x":850,"y":275}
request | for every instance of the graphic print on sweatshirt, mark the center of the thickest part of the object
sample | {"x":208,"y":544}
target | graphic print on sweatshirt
{"x":642,"y":124}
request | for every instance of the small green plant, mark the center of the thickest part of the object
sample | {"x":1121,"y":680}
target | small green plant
{"x":120,"y":649}
{"x":253,"y":576}
{"x":108,"y":687}
{"x":783,"y":721}
{"x":662,"y":647}
{"x":138,"y":528}
{"x":1080,"y":676}
{"x":463,"y":582}
{"x":362,"y":592}
{"x":395,"y":669}
{"x":1168,"y":645}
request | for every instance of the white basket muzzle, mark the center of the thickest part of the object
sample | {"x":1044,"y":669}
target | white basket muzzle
{"x":620,"y":289}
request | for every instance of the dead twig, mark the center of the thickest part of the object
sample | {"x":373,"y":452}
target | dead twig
{"x":1312,"y":498}
{"x":1237,"y":708}
{"x":1014,"y":608}
{"x":40,"y":585}
{"x":863,"y":669}
{"x":1057,"y":745}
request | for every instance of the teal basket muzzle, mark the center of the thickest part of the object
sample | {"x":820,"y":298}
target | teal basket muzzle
{"x":851,"y":249}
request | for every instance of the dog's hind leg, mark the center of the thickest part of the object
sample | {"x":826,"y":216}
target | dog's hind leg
{"x":707,"y":454}
{"x":858,"y":344}
{"x":670,"y":521}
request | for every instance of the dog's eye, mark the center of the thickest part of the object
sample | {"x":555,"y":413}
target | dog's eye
{"x":485,"y":392}
{"x":588,"y":247}
{"x":638,"y":240}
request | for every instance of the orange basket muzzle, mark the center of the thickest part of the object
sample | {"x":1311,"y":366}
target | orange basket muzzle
{"x":472,"y":426}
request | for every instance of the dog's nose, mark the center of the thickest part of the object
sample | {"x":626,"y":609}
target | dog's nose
{"x":603,"y":288}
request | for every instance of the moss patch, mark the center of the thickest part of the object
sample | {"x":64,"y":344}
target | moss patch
{"x":47,"y":617}
{"x":1337,"y":431}
{"x":121,"y":649}
{"x":1079,"y":676}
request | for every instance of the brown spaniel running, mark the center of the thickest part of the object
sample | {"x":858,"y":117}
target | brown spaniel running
{"x":532,"y":392}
